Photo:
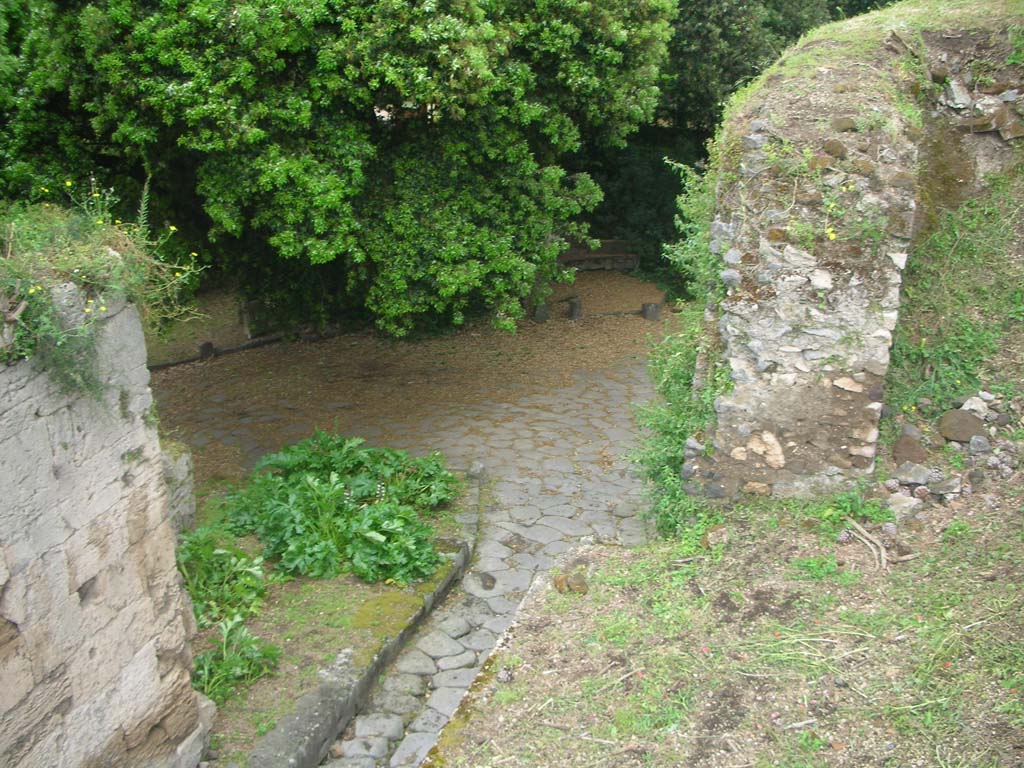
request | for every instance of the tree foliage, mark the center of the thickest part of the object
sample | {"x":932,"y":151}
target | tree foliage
{"x":402,"y":157}
{"x":715,"y":47}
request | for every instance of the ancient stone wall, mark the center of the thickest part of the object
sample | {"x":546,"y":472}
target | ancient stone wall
{"x":94,"y":623}
{"x":817,"y":204}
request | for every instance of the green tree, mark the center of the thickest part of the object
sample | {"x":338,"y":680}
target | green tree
{"x":403,"y":158}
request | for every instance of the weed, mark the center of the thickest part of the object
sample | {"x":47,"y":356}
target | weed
{"x":222,"y":580}
{"x":328,"y":502}
{"x":238,"y":659}
{"x":687,"y":410}
{"x":816,"y":568}
{"x":60,"y":270}
{"x":803,"y":233}
{"x":828,"y":516}
{"x":955,"y":457}
{"x":957,"y":531}
{"x":1016,"y":56}
{"x":507,"y":695}
{"x":888,"y":431}
{"x":264,"y":724}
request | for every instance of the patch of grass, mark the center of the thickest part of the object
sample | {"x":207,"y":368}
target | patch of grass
{"x":828,"y":516}
{"x":957,"y":531}
{"x":686,"y":411}
{"x":1016,"y":56}
{"x":821,"y":568}
{"x":945,"y":339}
{"x":954,"y":457}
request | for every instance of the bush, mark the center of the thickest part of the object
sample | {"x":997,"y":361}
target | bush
{"x":46,"y":247}
{"x":328,"y":503}
{"x":239,"y":658}
{"x":405,"y":159}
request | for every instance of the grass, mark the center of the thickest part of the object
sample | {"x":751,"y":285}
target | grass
{"x":962,"y":299}
{"x":781,"y":649}
{"x":311,"y":621}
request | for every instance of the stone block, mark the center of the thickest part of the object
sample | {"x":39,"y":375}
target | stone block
{"x":16,"y":672}
{"x":94,"y":653}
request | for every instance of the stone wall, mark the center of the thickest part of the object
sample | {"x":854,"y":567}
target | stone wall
{"x":94,"y":623}
{"x":817,"y":204}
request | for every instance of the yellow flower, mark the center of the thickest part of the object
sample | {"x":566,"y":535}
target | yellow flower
{"x":31,"y":291}
{"x":67,"y":183}
{"x":103,"y":307}
{"x":177,"y":274}
{"x":88,"y":310}
{"x":117,"y":221}
{"x":95,"y":194}
{"x":193,"y":254}
{"x":99,"y":221}
{"x":43,"y":189}
{"x":173,"y":228}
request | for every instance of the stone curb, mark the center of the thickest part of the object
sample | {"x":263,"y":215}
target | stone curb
{"x":538,"y":589}
{"x":301,"y":739}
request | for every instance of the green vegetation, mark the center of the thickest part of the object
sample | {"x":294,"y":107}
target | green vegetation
{"x":765,"y":658}
{"x":1017,"y":42}
{"x":47,"y":248}
{"x":402,"y":161}
{"x":828,"y":516}
{"x":410,"y":164}
{"x":963,"y":298}
{"x":237,"y":660}
{"x":685,"y":369}
{"x":222,"y":579}
{"x":319,"y":507}
{"x":328,"y":502}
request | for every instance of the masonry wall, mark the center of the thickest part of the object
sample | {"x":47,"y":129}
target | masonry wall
{"x":94,"y":623}
{"x":819,"y":197}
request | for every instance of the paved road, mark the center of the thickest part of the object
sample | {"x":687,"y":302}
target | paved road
{"x":558,"y":475}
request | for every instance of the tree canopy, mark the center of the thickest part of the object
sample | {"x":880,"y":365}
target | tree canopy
{"x":413,"y":149}
{"x":406,"y":160}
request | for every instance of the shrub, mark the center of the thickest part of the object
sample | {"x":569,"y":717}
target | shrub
{"x":47,"y":247}
{"x":328,"y":503}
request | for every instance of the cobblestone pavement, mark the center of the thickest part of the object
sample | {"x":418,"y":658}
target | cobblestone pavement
{"x":557,"y":475}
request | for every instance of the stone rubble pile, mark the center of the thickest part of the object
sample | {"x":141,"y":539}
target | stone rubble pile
{"x":977,"y":433}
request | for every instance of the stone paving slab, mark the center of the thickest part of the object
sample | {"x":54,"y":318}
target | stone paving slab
{"x":559,"y":479}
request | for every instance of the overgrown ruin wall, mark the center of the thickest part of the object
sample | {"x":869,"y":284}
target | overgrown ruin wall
{"x":94,"y":623}
{"x":818,"y":199}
